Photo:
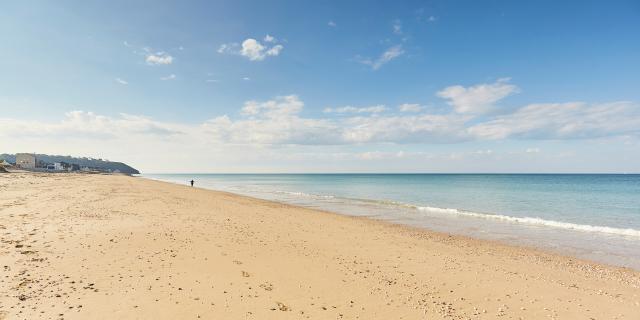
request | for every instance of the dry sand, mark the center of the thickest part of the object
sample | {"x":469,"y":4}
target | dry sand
{"x":114,"y":247}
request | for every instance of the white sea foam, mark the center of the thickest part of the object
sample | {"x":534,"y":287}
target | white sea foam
{"x":496,"y":217}
{"x":618,"y":246}
{"x":306,"y":195}
{"x":536,"y":221}
{"x":532,"y":221}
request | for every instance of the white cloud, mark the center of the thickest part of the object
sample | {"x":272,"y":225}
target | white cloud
{"x":83,"y":125}
{"x":424,"y":128}
{"x":272,"y":122}
{"x":151,"y":56}
{"x":331,"y":24}
{"x":380,"y":155}
{"x":268,"y":128}
{"x":266,"y":133}
{"x":159,"y":58}
{"x":278,"y":121}
{"x":280,"y":118}
{"x":390,"y":54}
{"x":349,"y":109}
{"x":479,"y":98}
{"x":253,"y":49}
{"x":169,"y":77}
{"x":228,"y":48}
{"x":275,"y":135}
{"x":573,"y":120}
{"x":246,"y":78}
{"x":281,"y":106}
{"x":410,"y":107}
{"x":275,"y":50}
{"x":120,"y":81}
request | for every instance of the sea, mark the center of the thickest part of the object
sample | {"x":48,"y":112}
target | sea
{"x":590,"y":216}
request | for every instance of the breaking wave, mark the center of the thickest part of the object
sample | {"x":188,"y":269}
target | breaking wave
{"x":531,"y":221}
{"x":535,"y":221}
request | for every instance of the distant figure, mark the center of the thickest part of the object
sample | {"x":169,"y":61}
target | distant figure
{"x":192,"y":183}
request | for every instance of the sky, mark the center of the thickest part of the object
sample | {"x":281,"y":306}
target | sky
{"x":325,"y":86}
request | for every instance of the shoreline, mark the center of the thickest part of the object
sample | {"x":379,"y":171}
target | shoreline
{"x":613,"y":246}
{"x":441,"y":235}
{"x":101,"y":246}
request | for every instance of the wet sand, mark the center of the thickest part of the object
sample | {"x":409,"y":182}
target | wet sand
{"x":79,"y":246}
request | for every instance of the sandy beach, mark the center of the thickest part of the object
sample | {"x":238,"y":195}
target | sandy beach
{"x":77,"y":246}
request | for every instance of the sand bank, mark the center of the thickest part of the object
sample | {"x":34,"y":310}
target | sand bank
{"x":103,"y":247}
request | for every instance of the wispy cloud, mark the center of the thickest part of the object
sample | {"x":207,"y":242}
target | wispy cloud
{"x":280,"y":121}
{"x":151,"y":56}
{"x":230,"y":48}
{"x":169,"y":77}
{"x":397,"y":27}
{"x":269,"y":38}
{"x":122,"y":82}
{"x":277,"y":133}
{"x":331,"y":24}
{"x":349,"y":109}
{"x":281,"y":106}
{"x":88,"y":125}
{"x":410,"y":107}
{"x":422,"y":16}
{"x":390,"y":54}
{"x":478,"y":98}
{"x":571,"y":120}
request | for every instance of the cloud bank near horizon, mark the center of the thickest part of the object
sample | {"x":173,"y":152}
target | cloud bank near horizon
{"x":280,"y":122}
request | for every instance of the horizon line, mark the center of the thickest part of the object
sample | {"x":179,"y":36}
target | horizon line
{"x":405,"y":173}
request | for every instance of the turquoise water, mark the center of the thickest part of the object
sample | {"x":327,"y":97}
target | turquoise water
{"x":586,"y":215}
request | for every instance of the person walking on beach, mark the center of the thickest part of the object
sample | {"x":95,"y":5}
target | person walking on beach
{"x":192,"y":182}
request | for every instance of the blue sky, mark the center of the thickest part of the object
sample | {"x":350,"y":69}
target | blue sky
{"x":318,"y":86}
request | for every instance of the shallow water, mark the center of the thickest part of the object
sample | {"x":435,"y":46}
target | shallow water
{"x":585,"y":215}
